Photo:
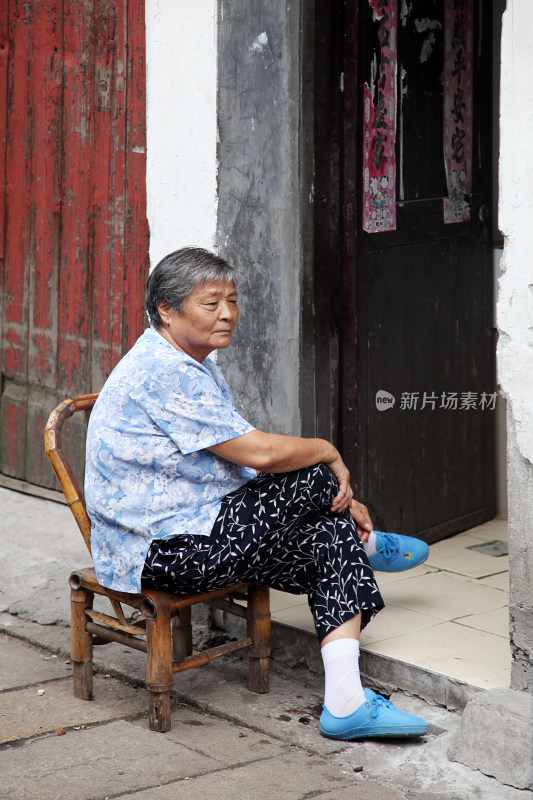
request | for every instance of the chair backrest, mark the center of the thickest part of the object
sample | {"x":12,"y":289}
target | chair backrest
{"x":59,"y":461}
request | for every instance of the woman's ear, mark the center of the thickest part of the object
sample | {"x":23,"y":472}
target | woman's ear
{"x":164,"y":312}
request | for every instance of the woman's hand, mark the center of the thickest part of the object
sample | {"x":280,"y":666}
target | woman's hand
{"x":344,"y":496}
{"x":272,"y":452}
{"x":359,"y":513}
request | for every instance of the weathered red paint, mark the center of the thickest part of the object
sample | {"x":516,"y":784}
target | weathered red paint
{"x":17,"y":192}
{"x":4,"y":58}
{"x":73,"y":231}
{"x":45,"y":102}
{"x":77,"y":210}
{"x":43,"y":349}
{"x":136,"y":228}
{"x":72,"y":362}
{"x":13,"y":352}
{"x":12,"y":416}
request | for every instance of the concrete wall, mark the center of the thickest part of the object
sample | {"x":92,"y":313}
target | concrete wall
{"x":515,"y":320}
{"x":181,"y":169}
{"x":222,"y":173}
{"x":258,"y":212}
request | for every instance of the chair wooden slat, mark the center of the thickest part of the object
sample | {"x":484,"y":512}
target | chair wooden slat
{"x":105,"y":619}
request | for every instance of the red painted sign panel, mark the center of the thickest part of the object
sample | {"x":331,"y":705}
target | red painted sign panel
{"x":458,"y":80}
{"x":379,"y":127}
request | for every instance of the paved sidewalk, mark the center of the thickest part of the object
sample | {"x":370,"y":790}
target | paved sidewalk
{"x":225,"y":742}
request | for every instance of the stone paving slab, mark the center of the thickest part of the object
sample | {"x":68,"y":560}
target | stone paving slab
{"x":288,"y":777}
{"x":25,"y":713}
{"x":366,"y":790}
{"x":224,"y":742}
{"x":41,"y":594}
{"x":22,"y":665}
{"x":288,"y":711}
{"x":94,"y":763}
{"x":114,"y":658}
{"x":55,"y":638}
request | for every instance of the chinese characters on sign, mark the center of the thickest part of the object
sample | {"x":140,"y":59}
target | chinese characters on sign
{"x":379,"y":141}
{"x":458,"y":71}
{"x":449,"y":401}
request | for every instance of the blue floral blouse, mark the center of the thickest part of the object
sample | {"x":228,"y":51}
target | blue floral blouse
{"x":148,"y":474}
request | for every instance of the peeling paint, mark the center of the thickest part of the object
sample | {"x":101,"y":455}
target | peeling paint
{"x":404,"y":12}
{"x":423,"y":25}
{"x":428,"y":26}
{"x":373,"y":76}
{"x":403,"y":90}
{"x":260,"y":43}
{"x":427,"y":48}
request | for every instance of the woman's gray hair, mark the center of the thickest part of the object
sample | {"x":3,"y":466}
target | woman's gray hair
{"x":176,"y":275}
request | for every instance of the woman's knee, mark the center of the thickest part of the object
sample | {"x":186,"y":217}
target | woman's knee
{"x":305,"y":490}
{"x":321,"y":481}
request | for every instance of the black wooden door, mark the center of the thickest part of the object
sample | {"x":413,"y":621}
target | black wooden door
{"x":417,"y":300}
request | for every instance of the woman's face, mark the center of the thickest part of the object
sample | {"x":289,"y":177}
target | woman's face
{"x":206,"y":322}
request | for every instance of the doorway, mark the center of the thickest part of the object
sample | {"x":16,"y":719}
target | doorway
{"x":411,"y":300}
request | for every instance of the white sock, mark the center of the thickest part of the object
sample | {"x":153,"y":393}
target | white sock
{"x":370,"y":546}
{"x":343,"y":691}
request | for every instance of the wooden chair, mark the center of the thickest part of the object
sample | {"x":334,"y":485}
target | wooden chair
{"x":165,"y":633}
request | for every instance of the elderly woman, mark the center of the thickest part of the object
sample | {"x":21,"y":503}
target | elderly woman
{"x":186,"y":496}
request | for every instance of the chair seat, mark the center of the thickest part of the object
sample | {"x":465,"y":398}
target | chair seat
{"x":149,"y":603}
{"x":87,"y":578}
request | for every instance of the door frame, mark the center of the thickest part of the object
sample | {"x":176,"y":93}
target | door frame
{"x":321,"y":170}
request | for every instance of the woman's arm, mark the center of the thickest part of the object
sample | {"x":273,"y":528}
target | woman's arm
{"x":271,"y":452}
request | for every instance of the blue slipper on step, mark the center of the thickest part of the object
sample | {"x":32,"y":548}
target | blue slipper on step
{"x":396,"y":553}
{"x":377,"y":717}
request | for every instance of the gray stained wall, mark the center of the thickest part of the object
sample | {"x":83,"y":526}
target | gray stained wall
{"x":258,"y":212}
{"x":520,"y":471}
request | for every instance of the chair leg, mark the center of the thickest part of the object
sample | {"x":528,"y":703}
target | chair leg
{"x":81,"y":644}
{"x":181,"y":634}
{"x":160,"y":677}
{"x":259,"y":630}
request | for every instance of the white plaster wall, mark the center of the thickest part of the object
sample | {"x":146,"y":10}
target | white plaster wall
{"x":515,"y":301}
{"x":181,"y":171}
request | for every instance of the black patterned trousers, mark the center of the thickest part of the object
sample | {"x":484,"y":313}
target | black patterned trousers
{"x":277,"y":530}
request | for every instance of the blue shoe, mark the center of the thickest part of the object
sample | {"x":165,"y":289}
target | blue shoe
{"x":396,"y":553}
{"x":375,"y":718}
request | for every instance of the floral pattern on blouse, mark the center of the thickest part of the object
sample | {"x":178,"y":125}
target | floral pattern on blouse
{"x":148,"y":474}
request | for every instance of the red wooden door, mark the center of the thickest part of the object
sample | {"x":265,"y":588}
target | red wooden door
{"x":73,"y":231}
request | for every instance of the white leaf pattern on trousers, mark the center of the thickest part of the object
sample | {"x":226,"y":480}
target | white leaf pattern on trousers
{"x":299,"y":547}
